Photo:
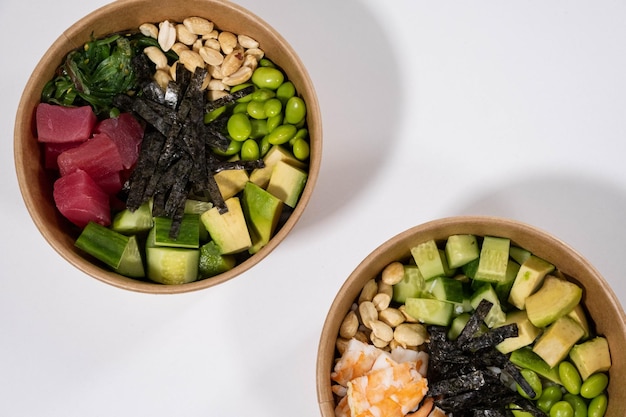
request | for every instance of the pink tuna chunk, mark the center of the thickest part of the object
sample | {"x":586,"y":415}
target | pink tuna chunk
{"x":52,"y":151}
{"x":81,"y":200}
{"x":64,"y":124}
{"x":127,"y":133}
{"x":98,"y":157}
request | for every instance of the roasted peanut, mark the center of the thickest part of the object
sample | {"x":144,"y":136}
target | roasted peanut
{"x":381,"y":301}
{"x":228,"y":42}
{"x":157,"y":56}
{"x":247,"y":42}
{"x":410,"y":334}
{"x":382,"y":331}
{"x":211,"y":56}
{"x":391,"y":316}
{"x":393,"y":273}
{"x":191,"y":60}
{"x":183,"y":35}
{"x":349,"y":325}
{"x":149,"y":29}
{"x":368,"y":313}
{"x":167,"y":35}
{"x":370,"y":289}
{"x":198,"y":25}
{"x":232,"y":62}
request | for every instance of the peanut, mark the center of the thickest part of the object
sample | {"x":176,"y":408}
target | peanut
{"x":198,"y":25}
{"x":167,"y":35}
{"x":368,"y":313}
{"x":393,"y":273}
{"x":349,"y":326}
{"x":369,"y":291}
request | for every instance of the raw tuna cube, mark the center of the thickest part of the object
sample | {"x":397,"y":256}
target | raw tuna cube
{"x":52,"y":151}
{"x":81,"y":200}
{"x":64,"y":124}
{"x":127,"y":133}
{"x":98,"y":157}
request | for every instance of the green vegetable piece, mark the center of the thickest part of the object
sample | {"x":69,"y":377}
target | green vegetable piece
{"x":238,"y":87}
{"x":410,"y":286}
{"x":267,"y":77}
{"x":239,"y":127}
{"x":295,"y":110}
{"x":301,"y":149}
{"x":578,"y":404}
{"x":262,"y":211}
{"x":496,"y":315}
{"x":214,"y":114}
{"x":250,"y":150}
{"x":446,"y":289}
{"x":494,"y":257}
{"x":274,"y":121}
{"x":188,"y":236}
{"x":428,"y":259}
{"x":259,"y":128}
{"x":503,"y":289}
{"x":172,"y":266}
{"x":212,"y":262}
{"x":591,"y":356}
{"x":457,"y":325}
{"x":527,"y":333}
{"x":132,"y":222}
{"x":554,"y":299}
{"x":561,"y":409}
{"x":233,"y":149}
{"x":526,"y":358}
{"x":256,"y":110}
{"x":597,"y":406}
{"x":470,"y":268}
{"x":287,"y":183}
{"x":557,"y":340}
{"x":518,"y":254}
{"x":528,"y":279}
{"x":594,"y":385}
{"x":285,"y":91}
{"x":282,"y":134}
{"x":430,"y":311}
{"x":461,"y":249}
{"x":534,"y":381}
{"x":272,"y":107}
{"x":263,"y":94}
{"x":550,"y":396}
{"x":570,"y":378}
{"x":228,"y":230}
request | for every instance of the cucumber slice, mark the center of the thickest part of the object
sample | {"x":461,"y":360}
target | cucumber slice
{"x":447,"y":271}
{"x":457,"y":325}
{"x":429,"y":311}
{"x":470,"y":268}
{"x":116,"y":250}
{"x":188,"y":236}
{"x":495,"y":316}
{"x":167,"y":265}
{"x":132,"y":222}
{"x":411,"y":286}
{"x":503,"y":289}
{"x":446,"y":289}
{"x":494,"y":257}
{"x":461,"y":249}
{"x":428,"y":259}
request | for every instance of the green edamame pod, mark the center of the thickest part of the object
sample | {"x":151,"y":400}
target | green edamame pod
{"x":561,"y":409}
{"x":274,"y":121}
{"x":285,"y":91}
{"x":256,"y":110}
{"x":239,"y":127}
{"x":534,"y":381}
{"x":578,"y":404}
{"x":233,"y":149}
{"x":250,"y":150}
{"x":295,"y":110}
{"x":594,"y":385}
{"x":267,"y":77}
{"x":301,"y":149}
{"x":550,"y":395}
{"x":273,"y":107}
{"x":281,"y":134}
{"x":597,"y":406}
{"x":263,"y":94}
{"x":570,"y":378}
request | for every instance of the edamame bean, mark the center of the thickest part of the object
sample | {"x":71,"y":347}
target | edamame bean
{"x":570,"y":378}
{"x":594,"y":385}
{"x":295,"y":110}
{"x":241,"y":107}
{"x":259,"y":128}
{"x":256,"y":110}
{"x":264,"y":62}
{"x":301,"y":149}
{"x":239,"y":127}
{"x":250,"y":150}
{"x":233,"y":149}
{"x":264,"y":145}
{"x":550,"y":395}
{"x":273,"y":107}
{"x":285,"y":91}
{"x":561,"y":409}
{"x":597,"y":406}
{"x":534,"y":381}
{"x":578,"y":404}
{"x":281,"y":134}
{"x":263,"y":94}
{"x":274,"y":121}
{"x":267,"y":77}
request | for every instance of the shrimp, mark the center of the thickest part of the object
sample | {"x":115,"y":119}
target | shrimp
{"x":356,"y":361}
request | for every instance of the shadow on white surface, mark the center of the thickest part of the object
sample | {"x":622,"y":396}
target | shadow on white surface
{"x":587,"y":214}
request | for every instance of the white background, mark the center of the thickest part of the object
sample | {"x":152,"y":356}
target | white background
{"x":430,"y":109}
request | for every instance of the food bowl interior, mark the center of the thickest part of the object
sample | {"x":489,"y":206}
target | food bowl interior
{"x":36,"y":183}
{"x":599,"y":299}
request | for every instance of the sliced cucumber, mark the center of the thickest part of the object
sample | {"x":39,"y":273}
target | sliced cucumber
{"x":495,"y":316}
{"x":132,"y":222}
{"x":131,"y":264}
{"x":461,"y":249}
{"x":447,"y":271}
{"x":188,"y":236}
{"x":457,"y":325}
{"x":446,"y":289}
{"x":503,"y":289}
{"x":167,"y":265}
{"x":428,"y":259}
{"x":430,"y":310}
{"x":494,"y":257}
{"x":411,"y":285}
{"x":470,"y":268}
{"x":193,"y":206}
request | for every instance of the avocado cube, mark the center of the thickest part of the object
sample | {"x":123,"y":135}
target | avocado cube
{"x":262,"y":211}
{"x":228,"y":230}
{"x":287,"y":183}
{"x":557,"y":340}
{"x":231,"y":181}
{"x":261,"y":176}
{"x":591,"y":356}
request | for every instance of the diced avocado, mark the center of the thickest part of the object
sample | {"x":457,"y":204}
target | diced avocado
{"x":528,"y":279}
{"x":188,"y":235}
{"x":591,"y":356}
{"x":172,"y":266}
{"x":429,"y":311}
{"x":579,"y":316}
{"x":557,"y":340}
{"x":447,"y":271}
{"x":428,"y":259}
{"x":132,"y":222}
{"x":494,"y":257}
{"x":287,"y":183}
{"x":555,"y":298}
{"x":527,"y":333}
{"x":261,"y":176}
{"x":231,"y":181}
{"x":518,"y":254}
{"x":228,"y":230}
{"x":411,"y":285}
{"x":116,"y":250}
{"x":461,"y":249}
{"x":495,"y":316}
{"x":457,"y":325}
{"x":262,"y":211}
{"x":526,"y":358}
{"x":446,"y":289}
{"x":212,"y":262}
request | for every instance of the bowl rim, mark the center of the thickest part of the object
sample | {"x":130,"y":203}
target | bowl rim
{"x":519,"y":232}
{"x":74,"y":37}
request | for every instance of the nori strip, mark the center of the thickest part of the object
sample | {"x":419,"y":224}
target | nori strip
{"x":228,"y":99}
{"x":144,"y":169}
{"x":492,"y":337}
{"x":475,"y":321}
{"x":453,"y":386}
{"x":247,"y":165}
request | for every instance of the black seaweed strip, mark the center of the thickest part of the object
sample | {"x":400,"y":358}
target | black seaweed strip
{"x":172,"y":94}
{"x":214,"y":193}
{"x":453,"y":386}
{"x":228,"y":99}
{"x":152,"y":91}
{"x":246,"y":165}
{"x":492,"y":337}
{"x":475,"y":321}
{"x":144,"y":170}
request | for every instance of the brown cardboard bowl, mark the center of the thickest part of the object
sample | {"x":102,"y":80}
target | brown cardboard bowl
{"x":36,"y":183}
{"x":599,"y":299}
